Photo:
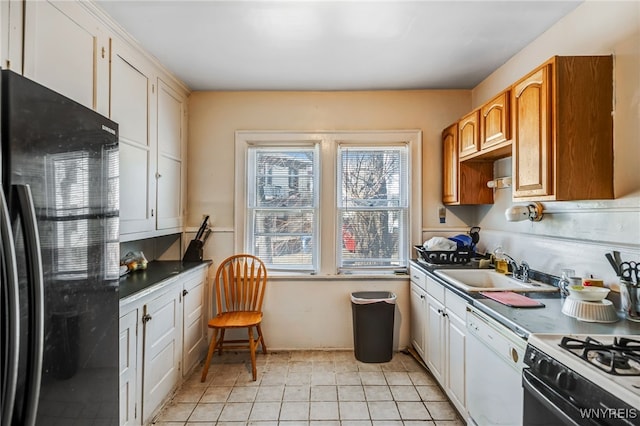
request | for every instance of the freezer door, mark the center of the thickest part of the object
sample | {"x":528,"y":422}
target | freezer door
{"x":67,"y":155}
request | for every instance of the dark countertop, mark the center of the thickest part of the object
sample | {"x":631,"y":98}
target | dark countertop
{"x":525,"y":321}
{"x":156,"y":272}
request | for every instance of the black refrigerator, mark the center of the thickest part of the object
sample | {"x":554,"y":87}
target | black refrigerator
{"x":60,"y":259}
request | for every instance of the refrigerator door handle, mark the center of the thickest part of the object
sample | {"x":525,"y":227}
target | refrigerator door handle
{"x":10,"y":376}
{"x":32,"y":244}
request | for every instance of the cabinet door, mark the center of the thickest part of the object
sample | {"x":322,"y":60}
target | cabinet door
{"x":495,"y":121}
{"x":65,"y":50}
{"x":418,"y":301}
{"x":456,"y":366}
{"x":435,"y":347}
{"x":171,"y":141}
{"x":469,"y":134}
{"x":128,"y":368}
{"x":131,"y":95}
{"x":450,"y":165}
{"x":194,"y":327}
{"x":162,"y":349}
{"x":532,"y":156}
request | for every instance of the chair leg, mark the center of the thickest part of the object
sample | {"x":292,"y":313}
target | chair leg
{"x":252,"y":348}
{"x":221,"y":340}
{"x":212,"y":346}
{"x":264,"y":348}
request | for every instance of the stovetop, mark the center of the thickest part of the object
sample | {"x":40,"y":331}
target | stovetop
{"x":611,"y":362}
{"x":621,"y":357}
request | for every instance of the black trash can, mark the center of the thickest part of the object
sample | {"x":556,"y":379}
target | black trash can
{"x":373,"y":313}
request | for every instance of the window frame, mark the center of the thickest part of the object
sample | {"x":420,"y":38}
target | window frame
{"x":328,"y":142}
{"x":251,"y":209}
{"x":403,"y":203}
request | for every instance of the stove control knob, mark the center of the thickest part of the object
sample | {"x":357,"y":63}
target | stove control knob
{"x":565,"y":380}
{"x":543,"y":366}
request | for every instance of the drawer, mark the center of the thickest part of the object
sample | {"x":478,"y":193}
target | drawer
{"x":456,"y":304}
{"x":418,"y":277}
{"x":436,"y":290}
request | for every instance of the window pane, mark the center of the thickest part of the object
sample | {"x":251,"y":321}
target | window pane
{"x":373,"y":177}
{"x":283,"y":203}
{"x":285,"y":237}
{"x":284,"y":178}
{"x":372,"y":206}
{"x":372,"y":238}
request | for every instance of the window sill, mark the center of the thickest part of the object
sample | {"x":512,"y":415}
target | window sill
{"x":338,"y":277}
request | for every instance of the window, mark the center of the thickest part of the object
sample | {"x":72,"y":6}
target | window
{"x":372,"y":206}
{"x":283,"y":206}
{"x":330,"y":202}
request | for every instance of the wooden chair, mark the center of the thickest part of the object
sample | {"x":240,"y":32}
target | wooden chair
{"x":240,"y":282}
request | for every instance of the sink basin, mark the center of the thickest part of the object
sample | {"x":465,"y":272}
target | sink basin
{"x":471,"y":280}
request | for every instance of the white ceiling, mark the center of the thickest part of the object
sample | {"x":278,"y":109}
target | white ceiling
{"x":334,"y":45}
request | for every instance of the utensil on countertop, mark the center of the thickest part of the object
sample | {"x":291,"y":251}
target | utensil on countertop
{"x":629,"y":300}
{"x":615,"y":265}
{"x":617,"y":258}
{"x":202,"y":227}
{"x":630,"y":272}
{"x":206,"y":235}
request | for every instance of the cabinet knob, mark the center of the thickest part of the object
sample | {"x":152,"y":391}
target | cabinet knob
{"x":185,"y":292}
{"x":146,"y":318}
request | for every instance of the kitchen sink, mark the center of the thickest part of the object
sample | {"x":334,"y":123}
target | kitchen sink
{"x":471,"y":280}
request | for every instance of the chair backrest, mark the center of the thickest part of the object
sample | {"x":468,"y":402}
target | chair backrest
{"x":240,"y":283}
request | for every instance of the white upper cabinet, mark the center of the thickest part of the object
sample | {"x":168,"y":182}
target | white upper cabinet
{"x":132,"y":94}
{"x":74,"y":48}
{"x":171,"y":152}
{"x":66,"y":50}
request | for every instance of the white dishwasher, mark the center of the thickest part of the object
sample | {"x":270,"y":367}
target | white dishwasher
{"x":495,"y":356}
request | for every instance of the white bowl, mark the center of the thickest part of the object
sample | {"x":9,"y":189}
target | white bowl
{"x":602,"y":311}
{"x":588,"y":294}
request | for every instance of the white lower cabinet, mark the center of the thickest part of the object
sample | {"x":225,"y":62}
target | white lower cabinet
{"x":418,"y":300}
{"x":128,"y":367}
{"x":445,"y":341}
{"x":194,"y":321}
{"x":162,"y":319}
{"x":162,"y":338}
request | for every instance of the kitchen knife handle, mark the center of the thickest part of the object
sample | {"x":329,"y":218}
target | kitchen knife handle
{"x":12,"y":315}
{"x":34,"y":262}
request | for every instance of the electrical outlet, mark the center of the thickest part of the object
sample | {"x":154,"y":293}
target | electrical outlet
{"x":442,"y":214}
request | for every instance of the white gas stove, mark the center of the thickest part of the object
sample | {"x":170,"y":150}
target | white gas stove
{"x":597,"y":376}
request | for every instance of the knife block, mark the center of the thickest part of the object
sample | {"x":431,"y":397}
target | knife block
{"x":194,"y":252}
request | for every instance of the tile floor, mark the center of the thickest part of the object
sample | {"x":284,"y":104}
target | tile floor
{"x":310,"y":388}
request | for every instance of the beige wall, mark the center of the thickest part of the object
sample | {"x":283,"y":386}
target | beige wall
{"x":315,"y":312}
{"x":573,"y":234}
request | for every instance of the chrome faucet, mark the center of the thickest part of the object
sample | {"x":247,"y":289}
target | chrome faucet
{"x":519,"y":272}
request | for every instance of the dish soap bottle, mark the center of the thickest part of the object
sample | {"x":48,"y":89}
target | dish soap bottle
{"x":500,"y":261}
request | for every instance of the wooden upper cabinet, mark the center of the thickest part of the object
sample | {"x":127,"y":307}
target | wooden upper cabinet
{"x":469,"y":133}
{"x":450,"y":164}
{"x":463,"y":183}
{"x":563,"y":130}
{"x":495,"y":121}
{"x":532,"y":115}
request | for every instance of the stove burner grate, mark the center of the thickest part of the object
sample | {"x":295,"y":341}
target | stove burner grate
{"x":621,"y":358}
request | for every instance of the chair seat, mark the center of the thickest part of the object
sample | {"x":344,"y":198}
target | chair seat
{"x":236,"y":319}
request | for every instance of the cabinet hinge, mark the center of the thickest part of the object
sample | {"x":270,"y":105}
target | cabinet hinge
{"x":153,"y":88}
{"x":103,"y":52}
